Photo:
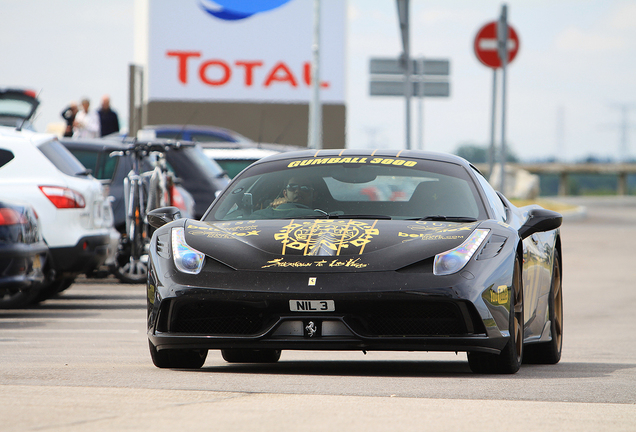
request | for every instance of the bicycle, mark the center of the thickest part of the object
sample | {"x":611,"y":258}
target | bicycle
{"x":143,"y":191}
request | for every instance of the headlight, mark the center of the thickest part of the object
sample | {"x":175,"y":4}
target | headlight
{"x":454,"y":260}
{"x":187,"y":259}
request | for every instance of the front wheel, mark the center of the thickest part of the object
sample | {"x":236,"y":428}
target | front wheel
{"x":508,"y":361}
{"x":550,"y":352}
{"x":177,"y":359}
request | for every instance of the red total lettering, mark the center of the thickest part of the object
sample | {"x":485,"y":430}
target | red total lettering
{"x":279,"y":73}
{"x":226,"y":72}
{"x":183,"y":57}
{"x":249,"y":70}
{"x":307,"y":75}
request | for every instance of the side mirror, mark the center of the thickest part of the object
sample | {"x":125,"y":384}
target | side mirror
{"x":540,"y":220}
{"x":163,"y":215}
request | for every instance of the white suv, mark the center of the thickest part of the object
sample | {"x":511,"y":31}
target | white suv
{"x":77,"y":220}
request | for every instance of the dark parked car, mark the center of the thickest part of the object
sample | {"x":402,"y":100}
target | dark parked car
{"x":297,"y":254}
{"x":23,"y":254}
{"x":202,"y":178}
{"x":235,"y":157}
{"x":197,"y":133}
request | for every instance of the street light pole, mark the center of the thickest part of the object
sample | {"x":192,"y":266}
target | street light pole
{"x":314,"y":140}
{"x":502,"y":39}
{"x":403,"y":14}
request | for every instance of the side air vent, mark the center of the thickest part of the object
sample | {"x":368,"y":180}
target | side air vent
{"x":163,"y":246}
{"x":492,"y":248}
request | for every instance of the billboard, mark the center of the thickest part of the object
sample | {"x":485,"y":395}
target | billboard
{"x":235,"y":51}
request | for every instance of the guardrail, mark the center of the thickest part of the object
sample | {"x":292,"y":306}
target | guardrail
{"x":563,"y":170}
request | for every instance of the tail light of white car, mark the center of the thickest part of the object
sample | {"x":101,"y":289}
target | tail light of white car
{"x":63,"y":197}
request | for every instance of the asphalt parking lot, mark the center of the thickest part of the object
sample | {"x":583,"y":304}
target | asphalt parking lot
{"x":80,"y":362}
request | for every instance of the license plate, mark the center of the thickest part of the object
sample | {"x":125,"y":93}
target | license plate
{"x":36,"y":262}
{"x":312,"y":305}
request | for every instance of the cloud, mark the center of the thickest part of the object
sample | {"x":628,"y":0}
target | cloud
{"x":624,"y":18}
{"x":573,"y":39}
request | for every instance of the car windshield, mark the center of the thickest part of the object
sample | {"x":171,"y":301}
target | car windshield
{"x":17,"y":104}
{"x":15,"y":108}
{"x":361,"y":187}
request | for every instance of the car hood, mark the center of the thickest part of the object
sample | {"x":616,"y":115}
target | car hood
{"x":324,"y":244}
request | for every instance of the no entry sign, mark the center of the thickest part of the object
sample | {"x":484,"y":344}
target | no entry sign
{"x":486,"y":45}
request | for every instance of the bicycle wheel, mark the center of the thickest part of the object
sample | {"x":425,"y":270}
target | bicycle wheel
{"x":132,"y":258}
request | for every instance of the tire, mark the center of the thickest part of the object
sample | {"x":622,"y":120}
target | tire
{"x":65,"y":284}
{"x":550,"y":352}
{"x":51,"y":289}
{"x":177,"y":359}
{"x":133,"y":271}
{"x":250,"y":356}
{"x":132,"y":260}
{"x":509,"y":360}
{"x":16,"y":298}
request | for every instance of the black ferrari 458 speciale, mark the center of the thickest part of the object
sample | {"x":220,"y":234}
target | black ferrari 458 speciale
{"x":357,"y":250}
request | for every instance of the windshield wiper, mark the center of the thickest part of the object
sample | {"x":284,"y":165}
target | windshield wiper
{"x":446,"y":218}
{"x":363,"y":216}
{"x":342,"y":216}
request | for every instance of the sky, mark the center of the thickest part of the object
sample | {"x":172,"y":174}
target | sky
{"x":566,"y":89}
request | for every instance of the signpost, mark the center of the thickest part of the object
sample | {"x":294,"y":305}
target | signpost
{"x":428,"y":77}
{"x":496,"y":45}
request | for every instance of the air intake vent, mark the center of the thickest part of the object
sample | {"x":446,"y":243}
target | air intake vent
{"x":163,"y":248}
{"x":492,"y":248}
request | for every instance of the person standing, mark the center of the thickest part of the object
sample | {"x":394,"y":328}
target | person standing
{"x":86,"y":124}
{"x":108,"y":120}
{"x":69,"y":116}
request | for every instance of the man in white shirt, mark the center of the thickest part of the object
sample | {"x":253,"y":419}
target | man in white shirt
{"x":86,"y":124}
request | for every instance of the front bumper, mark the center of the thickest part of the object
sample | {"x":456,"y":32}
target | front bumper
{"x":389,"y":321}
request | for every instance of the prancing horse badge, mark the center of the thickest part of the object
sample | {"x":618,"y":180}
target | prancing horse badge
{"x":312,"y":282}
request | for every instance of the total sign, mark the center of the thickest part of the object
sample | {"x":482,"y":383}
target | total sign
{"x":240,"y":51}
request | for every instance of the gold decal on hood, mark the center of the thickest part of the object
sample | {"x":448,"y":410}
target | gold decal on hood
{"x":225,"y":230}
{"x":322,"y":237}
{"x":280,"y":262}
{"x":431,"y":236}
{"x":441,"y":227}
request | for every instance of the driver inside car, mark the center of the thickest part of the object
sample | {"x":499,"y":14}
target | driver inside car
{"x":299,"y":191}
{"x":297,"y":199}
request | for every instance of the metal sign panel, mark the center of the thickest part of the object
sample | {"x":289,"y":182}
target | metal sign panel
{"x":389,"y":66}
{"x":432,"y":89}
{"x":199,"y":51}
{"x":396,"y":88}
{"x":436,"y":67}
{"x":386,"y":66}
